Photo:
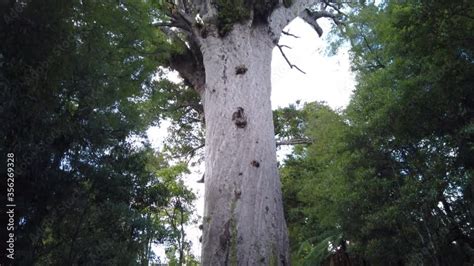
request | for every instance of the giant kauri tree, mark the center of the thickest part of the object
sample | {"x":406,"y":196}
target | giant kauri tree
{"x":226,"y":56}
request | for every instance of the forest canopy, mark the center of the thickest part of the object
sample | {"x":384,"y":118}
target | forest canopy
{"x":79,"y":91}
{"x":388,"y":180}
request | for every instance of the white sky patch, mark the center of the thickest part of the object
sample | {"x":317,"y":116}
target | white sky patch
{"x":157,"y":135}
{"x":327,"y":79}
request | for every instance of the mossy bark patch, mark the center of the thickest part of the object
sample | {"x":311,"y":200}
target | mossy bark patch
{"x":230,"y":12}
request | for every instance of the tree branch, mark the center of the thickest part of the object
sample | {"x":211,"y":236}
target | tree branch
{"x":184,"y":18}
{"x":311,"y":17}
{"x":163,"y":24}
{"x":289,"y":34}
{"x":194,"y":150}
{"x":335,"y":6}
{"x":189,"y":62}
{"x":201,"y":180}
{"x":294,"y":141}
{"x":286,"y":58}
{"x":305,"y":11}
{"x":281,"y":16}
{"x":377,"y":58}
{"x":177,"y":19}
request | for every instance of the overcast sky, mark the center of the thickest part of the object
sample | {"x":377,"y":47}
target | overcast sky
{"x":327,"y":79}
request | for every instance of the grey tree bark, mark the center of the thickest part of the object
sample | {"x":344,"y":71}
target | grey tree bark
{"x":243,"y":218}
{"x":243,"y":221}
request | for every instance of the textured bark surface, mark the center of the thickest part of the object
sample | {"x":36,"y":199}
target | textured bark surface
{"x":243,"y":221}
{"x":230,"y":44}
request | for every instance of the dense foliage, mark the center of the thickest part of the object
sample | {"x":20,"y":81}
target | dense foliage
{"x":390,"y":178}
{"x":77,"y":96}
{"x":387,"y":180}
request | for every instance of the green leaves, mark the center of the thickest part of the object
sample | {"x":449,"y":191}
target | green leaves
{"x":77,"y":81}
{"x":393,"y":172}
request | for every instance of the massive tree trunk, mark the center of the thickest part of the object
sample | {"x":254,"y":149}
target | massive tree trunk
{"x":230,"y":43}
{"x":243,"y":219}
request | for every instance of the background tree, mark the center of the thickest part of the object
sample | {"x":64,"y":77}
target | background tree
{"x":78,"y":93}
{"x":392,"y":174}
{"x":177,"y":214}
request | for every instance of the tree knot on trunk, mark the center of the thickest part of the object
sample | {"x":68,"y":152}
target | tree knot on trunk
{"x":239,"y":118}
{"x":240,"y":69}
{"x":225,"y":236}
{"x":255,"y":164}
{"x":237,"y":194}
{"x":203,"y":30}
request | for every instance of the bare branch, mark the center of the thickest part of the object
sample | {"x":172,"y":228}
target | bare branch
{"x":201,"y":180}
{"x":281,"y":16}
{"x":311,"y":18}
{"x":326,"y":14}
{"x":188,"y":63}
{"x":294,"y":142}
{"x":289,"y":34}
{"x":163,"y":24}
{"x":185,"y":17}
{"x":288,"y":61}
{"x":333,"y":6}
{"x":177,"y":13}
{"x":192,"y":152}
{"x":184,"y":5}
{"x":181,"y":21}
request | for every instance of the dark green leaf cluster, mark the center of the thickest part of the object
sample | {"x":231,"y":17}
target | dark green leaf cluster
{"x":289,"y":122}
{"x":77,"y":96}
{"x":230,"y":12}
{"x":182,"y":107}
